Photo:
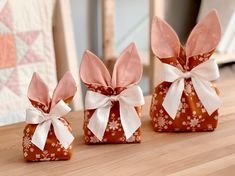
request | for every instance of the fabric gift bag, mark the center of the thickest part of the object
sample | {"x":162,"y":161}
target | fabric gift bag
{"x":112,"y":104}
{"x":186,"y":100}
{"x":47,"y":135}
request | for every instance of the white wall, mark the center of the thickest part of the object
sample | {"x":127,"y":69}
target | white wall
{"x":87,"y":25}
{"x":80,"y":10}
{"x":131,"y":24}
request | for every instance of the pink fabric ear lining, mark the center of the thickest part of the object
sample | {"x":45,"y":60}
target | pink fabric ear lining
{"x":38,"y":90}
{"x":164,"y":40}
{"x":205,"y":35}
{"x":93,"y":71}
{"x":128,"y":68}
{"x":65,"y":89}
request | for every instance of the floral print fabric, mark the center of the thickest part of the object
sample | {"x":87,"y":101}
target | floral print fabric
{"x":53,"y":149}
{"x":114,"y":132}
{"x":191,"y":115}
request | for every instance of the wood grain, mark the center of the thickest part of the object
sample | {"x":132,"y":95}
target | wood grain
{"x":108,"y":11}
{"x":174,"y":154}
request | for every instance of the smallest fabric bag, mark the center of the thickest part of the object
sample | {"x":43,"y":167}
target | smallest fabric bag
{"x":47,"y":135}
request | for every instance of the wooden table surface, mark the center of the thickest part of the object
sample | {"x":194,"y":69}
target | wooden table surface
{"x":203,"y":153}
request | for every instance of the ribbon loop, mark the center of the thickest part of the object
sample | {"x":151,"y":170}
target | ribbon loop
{"x":201,"y":76}
{"x":45,"y":120}
{"x":128,"y":99}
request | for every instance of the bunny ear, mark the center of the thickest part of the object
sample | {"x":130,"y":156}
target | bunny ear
{"x":205,"y":35}
{"x":65,"y":89}
{"x":38,"y":91}
{"x":164,"y":40}
{"x":128,"y":69}
{"x":93,"y":71}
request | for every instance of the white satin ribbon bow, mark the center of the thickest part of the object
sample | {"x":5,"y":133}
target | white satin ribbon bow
{"x":128,"y":99}
{"x":45,"y":120}
{"x":201,"y":76}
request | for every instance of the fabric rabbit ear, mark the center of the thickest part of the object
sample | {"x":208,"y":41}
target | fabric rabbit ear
{"x":205,"y":36}
{"x":93,"y":71}
{"x":65,"y":89}
{"x":128,"y":68}
{"x":38,"y":91}
{"x":164,"y":40}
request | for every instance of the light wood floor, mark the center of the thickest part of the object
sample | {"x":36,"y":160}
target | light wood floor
{"x":175,"y":154}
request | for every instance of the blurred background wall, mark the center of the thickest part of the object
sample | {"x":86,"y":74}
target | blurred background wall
{"x":131,"y":23}
{"x":131,"y":20}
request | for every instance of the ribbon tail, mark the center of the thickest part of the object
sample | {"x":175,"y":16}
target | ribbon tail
{"x":62,"y":133}
{"x":207,"y":95}
{"x":40,"y":134}
{"x":172,"y":99}
{"x":99,"y":120}
{"x":129,"y":119}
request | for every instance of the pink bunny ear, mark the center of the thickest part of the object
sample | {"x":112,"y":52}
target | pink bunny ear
{"x":164,"y":40}
{"x":65,"y":89}
{"x":128,"y":69}
{"x":205,"y":35}
{"x":38,"y":91}
{"x":93,"y":71}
